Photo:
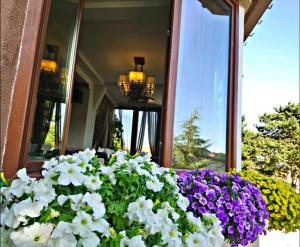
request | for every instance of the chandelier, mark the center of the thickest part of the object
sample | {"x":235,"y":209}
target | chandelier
{"x":135,"y":85}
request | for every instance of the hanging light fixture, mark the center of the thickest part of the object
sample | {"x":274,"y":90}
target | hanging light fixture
{"x":135,"y":85}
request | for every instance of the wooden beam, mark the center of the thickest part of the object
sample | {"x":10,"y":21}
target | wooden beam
{"x":253,"y":14}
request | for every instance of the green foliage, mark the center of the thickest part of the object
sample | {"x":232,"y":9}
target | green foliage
{"x":188,"y":145}
{"x":117,"y":130}
{"x":283,"y":202}
{"x":274,"y":149}
{"x":50,"y":138}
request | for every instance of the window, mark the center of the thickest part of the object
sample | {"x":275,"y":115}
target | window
{"x":185,"y":119}
{"x":55,"y":81}
{"x":201,"y":88}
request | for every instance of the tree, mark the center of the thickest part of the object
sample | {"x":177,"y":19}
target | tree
{"x":188,"y":145}
{"x":274,"y":149}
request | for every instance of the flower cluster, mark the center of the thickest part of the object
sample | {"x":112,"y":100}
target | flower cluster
{"x":283,"y":202}
{"x":236,"y":202}
{"x":79,"y":201}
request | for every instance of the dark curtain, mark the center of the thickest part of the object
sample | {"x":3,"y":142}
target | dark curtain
{"x":103,"y":124}
{"x":43,"y":115}
{"x":140,"y":139}
{"x":152,"y":131}
{"x":57,"y":125}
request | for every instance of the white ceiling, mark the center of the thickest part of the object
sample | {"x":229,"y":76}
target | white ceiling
{"x":115,"y":31}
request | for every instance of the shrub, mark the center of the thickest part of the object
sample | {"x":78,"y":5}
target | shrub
{"x":283,"y":202}
{"x":81,"y":202}
{"x":236,"y":202}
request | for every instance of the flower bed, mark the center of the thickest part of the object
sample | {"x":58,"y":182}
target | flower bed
{"x":283,"y":202}
{"x":236,"y":202}
{"x":81,"y":202}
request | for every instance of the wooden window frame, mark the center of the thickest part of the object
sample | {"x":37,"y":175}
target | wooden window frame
{"x":27,"y":79}
{"x":26,"y":86}
{"x":170,"y":92}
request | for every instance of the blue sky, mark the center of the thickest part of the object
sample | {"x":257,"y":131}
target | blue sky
{"x":203,"y":72}
{"x":271,"y":61}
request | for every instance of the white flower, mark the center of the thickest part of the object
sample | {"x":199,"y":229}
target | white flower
{"x":92,"y":183}
{"x":50,"y":175}
{"x":172,"y":237}
{"x":70,"y":173}
{"x":135,"y":241}
{"x":154,"y":184}
{"x":22,"y":174}
{"x":157,"y":170}
{"x":87,"y":155}
{"x":211,"y":218}
{"x":159,"y":222}
{"x":61,"y":199}
{"x":171,"y":179}
{"x":18,"y":187}
{"x":91,"y":240}
{"x":27,"y":208}
{"x":215,"y":236}
{"x":68,"y":158}
{"x":75,"y":201}
{"x":5,"y":240}
{"x":43,"y":192}
{"x":34,"y":235}
{"x":167,"y":206}
{"x":142,"y":172}
{"x":109,"y":171}
{"x":143,"y":159}
{"x":108,"y":151}
{"x":49,"y":164}
{"x":182,"y":202}
{"x":140,"y":210}
{"x":102,"y":226}
{"x":82,"y":224}
{"x":196,"y":222}
{"x":8,"y":218}
{"x":121,"y":159}
{"x":195,"y":240}
{"x":94,"y":201}
{"x":5,"y":194}
{"x":62,"y":236}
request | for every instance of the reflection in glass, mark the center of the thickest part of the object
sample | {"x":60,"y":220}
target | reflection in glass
{"x":54,"y":81}
{"x":125,"y":117}
{"x":201,"y":89}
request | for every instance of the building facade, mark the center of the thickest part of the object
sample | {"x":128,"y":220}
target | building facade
{"x":64,"y":86}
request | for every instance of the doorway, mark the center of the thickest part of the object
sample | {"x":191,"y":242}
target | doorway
{"x":120,"y":74}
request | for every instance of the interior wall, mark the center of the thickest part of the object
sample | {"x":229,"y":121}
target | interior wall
{"x":12,"y":21}
{"x":78,"y":122}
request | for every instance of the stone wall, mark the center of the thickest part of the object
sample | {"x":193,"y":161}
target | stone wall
{"x":12,"y":21}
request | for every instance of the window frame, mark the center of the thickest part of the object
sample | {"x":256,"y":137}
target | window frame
{"x":27,"y":78}
{"x":134,"y":131}
{"x":19,"y":142}
{"x":170,"y":92}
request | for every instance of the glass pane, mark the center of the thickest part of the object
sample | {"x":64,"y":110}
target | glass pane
{"x":142,"y":143}
{"x":201,"y":89}
{"x":54,"y":81}
{"x":125,"y":117}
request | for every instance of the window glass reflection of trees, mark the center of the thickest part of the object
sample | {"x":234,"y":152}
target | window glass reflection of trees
{"x":200,"y":119}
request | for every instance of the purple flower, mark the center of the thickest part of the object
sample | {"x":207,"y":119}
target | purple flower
{"x":230,"y":229}
{"x":236,"y":202}
{"x":210,"y":194}
{"x":210,"y":205}
{"x":228,"y":205}
{"x":203,"y":201}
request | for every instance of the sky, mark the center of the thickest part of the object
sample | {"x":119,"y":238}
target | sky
{"x":202,"y":73}
{"x":271,"y":62}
